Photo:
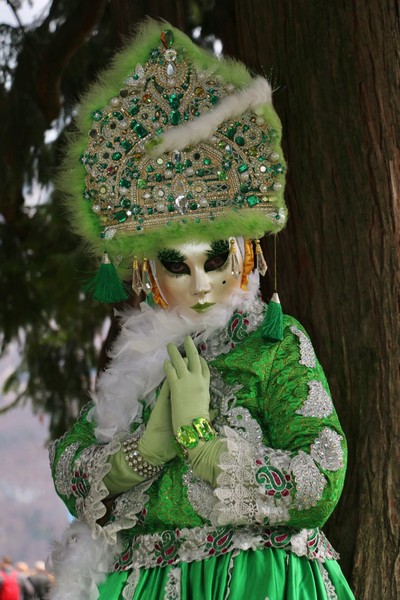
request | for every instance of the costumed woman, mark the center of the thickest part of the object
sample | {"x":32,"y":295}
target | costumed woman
{"x":211,"y":453}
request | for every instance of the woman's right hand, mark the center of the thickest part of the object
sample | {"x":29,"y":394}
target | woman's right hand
{"x":156,"y":445}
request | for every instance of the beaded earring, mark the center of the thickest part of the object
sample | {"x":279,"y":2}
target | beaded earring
{"x":146,"y":283}
{"x":261,"y":263}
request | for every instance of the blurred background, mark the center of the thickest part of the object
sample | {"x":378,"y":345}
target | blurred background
{"x":334,"y":67}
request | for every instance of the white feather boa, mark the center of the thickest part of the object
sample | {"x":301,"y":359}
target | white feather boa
{"x":138,"y":355}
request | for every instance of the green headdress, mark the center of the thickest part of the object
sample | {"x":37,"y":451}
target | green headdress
{"x":173,"y":143}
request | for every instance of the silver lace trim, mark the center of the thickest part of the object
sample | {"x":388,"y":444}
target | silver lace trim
{"x":318,"y":403}
{"x":173,"y":586}
{"x":327,"y":450}
{"x":62,"y":478}
{"x":329,"y":587}
{"x":130,"y":584}
{"x":307,"y":354}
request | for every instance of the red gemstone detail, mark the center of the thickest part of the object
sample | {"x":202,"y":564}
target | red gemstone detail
{"x":258,"y":462}
{"x":212,"y":551}
{"x":276,"y":478}
{"x":285,"y":493}
{"x":210,"y":538}
{"x":170,"y":561}
{"x":169,"y":551}
{"x":222,"y":540}
{"x":268,"y":544}
{"x":287,"y":477}
{"x":159,"y":560}
{"x":282,"y":538}
{"x":271,"y":493}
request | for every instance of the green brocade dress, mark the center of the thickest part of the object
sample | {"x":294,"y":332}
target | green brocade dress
{"x":257,"y":535}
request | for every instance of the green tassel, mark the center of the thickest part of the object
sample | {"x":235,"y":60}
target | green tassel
{"x":106,"y":286}
{"x":272,"y":327}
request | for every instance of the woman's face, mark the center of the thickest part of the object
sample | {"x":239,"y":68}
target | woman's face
{"x":197,"y":275}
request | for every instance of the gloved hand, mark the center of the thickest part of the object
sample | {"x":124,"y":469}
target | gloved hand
{"x":155,"y":444}
{"x":189,"y":384}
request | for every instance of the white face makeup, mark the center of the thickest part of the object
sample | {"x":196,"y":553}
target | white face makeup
{"x":196,"y":275}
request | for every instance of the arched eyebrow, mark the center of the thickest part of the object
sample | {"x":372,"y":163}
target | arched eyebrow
{"x":170,"y":255}
{"x":218,"y":247}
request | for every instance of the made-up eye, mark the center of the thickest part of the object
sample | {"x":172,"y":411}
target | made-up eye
{"x":216,"y":262}
{"x":177,"y":268}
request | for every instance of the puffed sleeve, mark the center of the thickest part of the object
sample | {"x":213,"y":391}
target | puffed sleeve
{"x":297,"y":478}
{"x":79,"y":464}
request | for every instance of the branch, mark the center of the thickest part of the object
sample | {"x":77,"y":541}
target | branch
{"x":67,"y":39}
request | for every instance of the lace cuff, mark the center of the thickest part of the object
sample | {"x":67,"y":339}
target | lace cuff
{"x":82,"y":479}
{"x":260,"y":485}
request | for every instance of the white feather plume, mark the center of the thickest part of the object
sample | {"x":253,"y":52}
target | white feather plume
{"x":80,"y":562}
{"x":200,"y":129}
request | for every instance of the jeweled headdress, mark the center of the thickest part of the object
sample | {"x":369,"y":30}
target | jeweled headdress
{"x":174,"y":143}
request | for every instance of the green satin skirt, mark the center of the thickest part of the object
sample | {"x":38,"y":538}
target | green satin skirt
{"x":270,"y":574}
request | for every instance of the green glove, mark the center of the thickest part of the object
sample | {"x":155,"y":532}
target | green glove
{"x":155,"y":444}
{"x":189,"y":384}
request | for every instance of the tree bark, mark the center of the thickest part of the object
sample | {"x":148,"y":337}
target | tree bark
{"x":335,"y":69}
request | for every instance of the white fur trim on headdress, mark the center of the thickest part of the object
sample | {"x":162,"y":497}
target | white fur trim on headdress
{"x":198,"y":130}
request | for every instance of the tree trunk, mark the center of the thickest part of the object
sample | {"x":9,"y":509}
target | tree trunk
{"x":334,"y":67}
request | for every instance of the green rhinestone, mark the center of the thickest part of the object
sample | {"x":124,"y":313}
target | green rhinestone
{"x":170,"y":165}
{"x":116,"y":155}
{"x":118,"y":115}
{"x":136,"y":209}
{"x":174,"y":101}
{"x":175,"y":117}
{"x":134,"y":110}
{"x":171,"y":208}
{"x":246,"y":127}
{"x":222,"y":175}
{"x":120,"y":216}
{"x":96,"y":115}
{"x":149,"y":169}
{"x":240,"y":141}
{"x":244,"y":188}
{"x":126,"y":145}
{"x":139,"y":228}
{"x":221,"y":144}
{"x":197,"y":220}
{"x":125,"y":183}
{"x":179,"y":167}
{"x":150,"y":211}
{"x":125,"y":203}
{"x":207,"y":161}
{"x":243,"y":168}
{"x":214,"y":99}
{"x":187,"y":436}
{"x":142,"y":183}
{"x":140,"y":220}
{"x":227,"y":164}
{"x":231,"y":133}
{"x":140,"y":130}
{"x":261,"y":158}
{"x":252,"y":200}
{"x":188,"y":163}
{"x":158,"y":177}
{"x":193,"y":206}
{"x":200,"y":172}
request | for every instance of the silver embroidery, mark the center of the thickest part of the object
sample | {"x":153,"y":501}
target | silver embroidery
{"x":198,"y":543}
{"x":318,"y":403}
{"x":173,"y":585}
{"x":307,"y":354}
{"x":310,"y":482}
{"x":327,"y":450}
{"x":62,"y":479}
{"x":52,"y":453}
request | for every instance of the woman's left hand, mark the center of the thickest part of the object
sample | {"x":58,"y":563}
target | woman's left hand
{"x":189,"y":383}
